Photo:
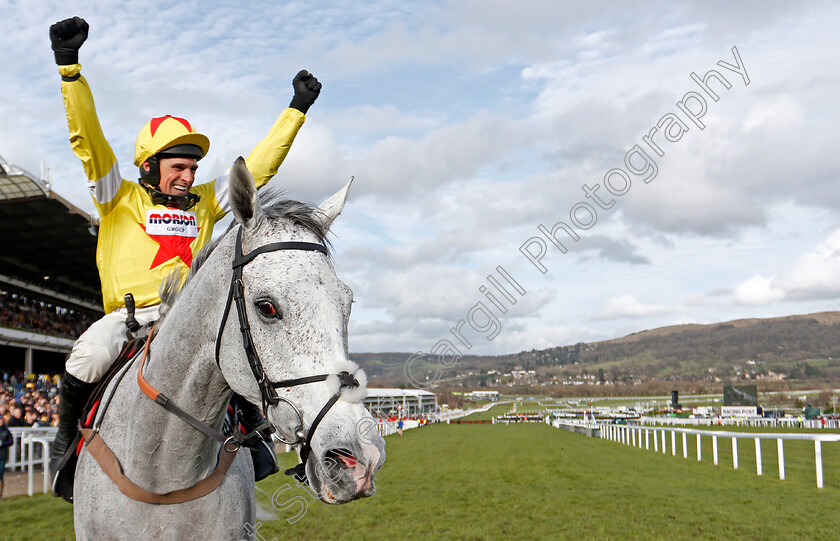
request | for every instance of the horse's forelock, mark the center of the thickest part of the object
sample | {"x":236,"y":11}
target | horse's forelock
{"x":301,"y":214}
{"x":274,"y":208}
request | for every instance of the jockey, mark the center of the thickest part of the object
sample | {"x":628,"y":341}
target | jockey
{"x":150,"y":228}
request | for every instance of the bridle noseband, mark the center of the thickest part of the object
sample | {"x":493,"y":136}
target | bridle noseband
{"x":236,"y":295}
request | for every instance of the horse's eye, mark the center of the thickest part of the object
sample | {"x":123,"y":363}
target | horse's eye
{"x":268,"y":310}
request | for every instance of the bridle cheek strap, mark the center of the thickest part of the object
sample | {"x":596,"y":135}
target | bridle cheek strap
{"x":236,"y":296}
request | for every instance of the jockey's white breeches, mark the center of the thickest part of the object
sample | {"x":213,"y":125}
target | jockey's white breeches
{"x":97,"y":348}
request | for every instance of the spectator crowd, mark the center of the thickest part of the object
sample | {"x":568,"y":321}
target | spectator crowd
{"x":18,"y":311}
{"x":31,"y":401}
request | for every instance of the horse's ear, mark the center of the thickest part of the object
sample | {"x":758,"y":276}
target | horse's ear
{"x":333,"y":206}
{"x":242,"y":192}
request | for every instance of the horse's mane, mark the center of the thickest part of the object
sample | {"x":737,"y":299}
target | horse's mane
{"x":274,"y":208}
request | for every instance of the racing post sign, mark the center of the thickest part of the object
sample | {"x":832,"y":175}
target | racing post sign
{"x":739,"y":401}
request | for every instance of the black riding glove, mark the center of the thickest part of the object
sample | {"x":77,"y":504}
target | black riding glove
{"x":66,"y":37}
{"x":307,"y":89}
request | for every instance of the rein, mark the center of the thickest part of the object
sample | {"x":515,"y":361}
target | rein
{"x":230,"y":443}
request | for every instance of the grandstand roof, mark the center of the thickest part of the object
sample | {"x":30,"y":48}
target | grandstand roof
{"x":45,"y":241}
{"x":379,"y":391}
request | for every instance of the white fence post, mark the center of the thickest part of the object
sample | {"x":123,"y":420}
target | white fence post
{"x":734,"y":452}
{"x":781,"y":448}
{"x":699,"y":449}
{"x":685,"y":445}
{"x":714,"y":449}
{"x":673,"y":443}
{"x":663,"y":442}
{"x":758,"y":470}
{"x":655,"y":442}
{"x":46,"y":456}
{"x":26,"y":458}
{"x":647,"y":439}
{"x":818,"y":460}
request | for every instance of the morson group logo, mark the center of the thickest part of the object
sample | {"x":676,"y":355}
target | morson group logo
{"x":179,"y":223}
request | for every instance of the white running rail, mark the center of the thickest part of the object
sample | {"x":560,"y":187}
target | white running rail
{"x":643,"y":436}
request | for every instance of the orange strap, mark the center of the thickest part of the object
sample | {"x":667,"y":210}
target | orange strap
{"x":112,"y":468}
{"x":147,"y":389}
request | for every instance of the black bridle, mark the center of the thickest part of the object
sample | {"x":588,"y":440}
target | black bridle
{"x":236,"y":296}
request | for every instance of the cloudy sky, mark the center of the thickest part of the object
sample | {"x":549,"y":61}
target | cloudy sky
{"x":475,"y":129}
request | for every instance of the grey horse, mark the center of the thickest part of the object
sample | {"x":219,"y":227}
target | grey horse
{"x":298,"y":311}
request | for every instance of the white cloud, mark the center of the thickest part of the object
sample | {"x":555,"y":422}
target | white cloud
{"x":814,"y":276}
{"x":757,"y":290}
{"x":627,"y":306}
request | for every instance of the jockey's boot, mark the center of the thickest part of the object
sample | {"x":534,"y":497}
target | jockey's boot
{"x":74,"y":396}
{"x":262,"y":455}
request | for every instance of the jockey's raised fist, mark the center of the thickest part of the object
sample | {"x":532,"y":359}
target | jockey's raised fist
{"x":66,"y":37}
{"x":307,"y":89}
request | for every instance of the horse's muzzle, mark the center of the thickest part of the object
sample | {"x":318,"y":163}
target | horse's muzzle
{"x":344,"y":475}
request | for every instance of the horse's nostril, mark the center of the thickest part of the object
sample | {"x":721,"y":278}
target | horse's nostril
{"x":341,"y":457}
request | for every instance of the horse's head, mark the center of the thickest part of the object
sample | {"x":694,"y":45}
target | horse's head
{"x":298,"y":310}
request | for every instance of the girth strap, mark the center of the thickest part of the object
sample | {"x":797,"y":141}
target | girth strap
{"x":112,"y":468}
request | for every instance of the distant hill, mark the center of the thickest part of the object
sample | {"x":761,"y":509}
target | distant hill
{"x":799,"y":346}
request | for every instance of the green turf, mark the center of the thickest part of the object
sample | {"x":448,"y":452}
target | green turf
{"x":536,"y":482}
{"x":38,"y":518}
{"x":532,"y":481}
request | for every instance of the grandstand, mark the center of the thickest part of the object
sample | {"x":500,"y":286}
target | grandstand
{"x":49,"y":284}
{"x":410,"y":402}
